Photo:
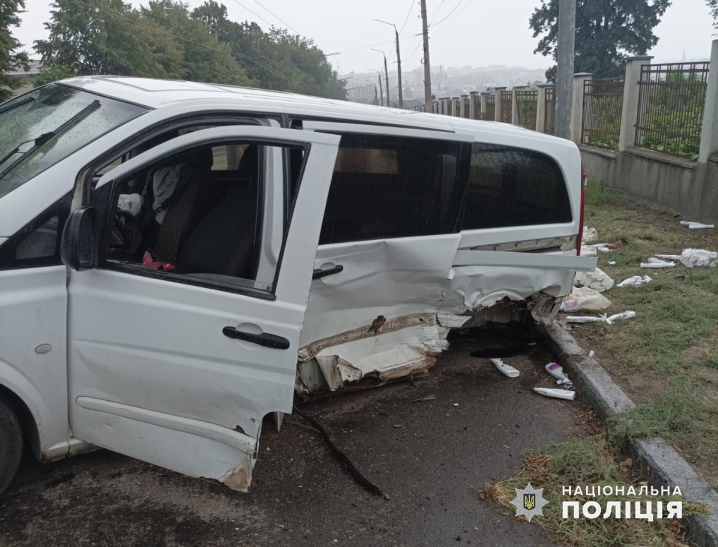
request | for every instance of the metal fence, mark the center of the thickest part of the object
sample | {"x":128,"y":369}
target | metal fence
{"x":507,"y":106}
{"x":670,"y":107}
{"x":526,"y":106}
{"x":550,"y":111}
{"x":602,"y":108}
{"x":491,"y":107}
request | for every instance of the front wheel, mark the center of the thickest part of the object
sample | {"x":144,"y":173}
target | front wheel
{"x":10,"y":445}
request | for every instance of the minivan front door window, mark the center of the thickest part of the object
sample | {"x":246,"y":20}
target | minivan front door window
{"x":36,"y":134}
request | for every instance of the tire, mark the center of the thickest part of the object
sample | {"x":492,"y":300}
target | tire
{"x":10,"y":445}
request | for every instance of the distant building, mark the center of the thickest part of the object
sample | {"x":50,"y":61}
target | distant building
{"x":26,"y":76}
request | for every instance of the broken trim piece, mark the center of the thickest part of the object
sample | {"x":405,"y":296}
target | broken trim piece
{"x":390,"y":325}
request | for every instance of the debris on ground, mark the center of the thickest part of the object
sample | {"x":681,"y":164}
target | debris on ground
{"x":635,"y":281}
{"x":604,"y":318}
{"x":694,"y":258}
{"x":597,"y":280}
{"x":556,"y":370}
{"x":425,"y":399}
{"x":502,"y":367}
{"x":589,"y":235}
{"x":654,"y":262}
{"x":696,"y":225}
{"x":556,"y":393}
{"x":584,"y":298}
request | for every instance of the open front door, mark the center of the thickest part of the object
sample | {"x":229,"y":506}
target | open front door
{"x":180,"y":342}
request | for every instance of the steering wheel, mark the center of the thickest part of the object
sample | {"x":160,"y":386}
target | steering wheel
{"x":122,"y":229}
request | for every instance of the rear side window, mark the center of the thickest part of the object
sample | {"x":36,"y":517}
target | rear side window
{"x":390,"y":187}
{"x":514,"y":187}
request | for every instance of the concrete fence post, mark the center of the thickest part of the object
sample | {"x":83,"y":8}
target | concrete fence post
{"x":576,"y":120}
{"x":484,"y":104}
{"x":455,"y":106}
{"x":447,"y":106}
{"x":631,"y":89}
{"x":473,"y":113}
{"x":541,"y":108}
{"x":498,"y":91}
{"x":709,"y":133}
{"x":463,"y":113}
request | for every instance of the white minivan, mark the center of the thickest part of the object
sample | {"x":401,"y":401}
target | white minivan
{"x":179,"y":260}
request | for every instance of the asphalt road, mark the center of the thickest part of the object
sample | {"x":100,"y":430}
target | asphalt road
{"x":432,"y":458}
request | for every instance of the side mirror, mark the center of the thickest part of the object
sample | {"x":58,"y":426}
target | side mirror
{"x":78,"y":248}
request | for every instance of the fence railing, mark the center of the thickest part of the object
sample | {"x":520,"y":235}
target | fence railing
{"x":526,"y":107}
{"x":550,"y":111}
{"x":671,"y":102}
{"x":602,"y":108}
{"x":507,"y":105}
{"x":491,"y":107}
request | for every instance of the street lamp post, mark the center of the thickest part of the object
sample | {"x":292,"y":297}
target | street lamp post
{"x":386,"y":77}
{"x":398,"y":61}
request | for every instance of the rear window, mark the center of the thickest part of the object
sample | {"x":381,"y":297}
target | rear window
{"x":45,"y":126}
{"x":514,"y":187}
{"x":390,"y":187}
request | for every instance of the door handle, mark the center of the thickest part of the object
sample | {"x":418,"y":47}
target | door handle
{"x":265,"y":339}
{"x":319,"y":273}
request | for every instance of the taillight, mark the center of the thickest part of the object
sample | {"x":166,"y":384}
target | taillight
{"x":579,"y":238}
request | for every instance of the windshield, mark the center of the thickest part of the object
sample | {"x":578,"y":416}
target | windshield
{"x":45,"y":113}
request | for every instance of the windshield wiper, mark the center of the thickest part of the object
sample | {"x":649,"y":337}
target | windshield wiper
{"x":45,"y":137}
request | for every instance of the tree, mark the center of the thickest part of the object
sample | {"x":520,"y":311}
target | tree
{"x":607,"y":32}
{"x":10,"y":58}
{"x":713,"y":6}
{"x":108,"y":37}
{"x":276,"y":59}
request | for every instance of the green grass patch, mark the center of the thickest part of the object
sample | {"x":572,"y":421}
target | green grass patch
{"x":599,"y":194}
{"x":588,"y":461}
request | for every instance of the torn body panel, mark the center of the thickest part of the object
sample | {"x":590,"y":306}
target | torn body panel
{"x":480,"y":286}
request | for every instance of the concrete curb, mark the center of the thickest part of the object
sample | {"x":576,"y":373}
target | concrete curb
{"x":658,"y":460}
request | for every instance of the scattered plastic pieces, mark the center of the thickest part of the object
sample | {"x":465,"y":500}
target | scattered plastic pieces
{"x":696,"y":225}
{"x":694,"y":258}
{"x":604,"y":318}
{"x":591,"y":353}
{"x":584,"y":298}
{"x":556,"y":393}
{"x":589,"y":235}
{"x":611,"y":262}
{"x":425,"y":399}
{"x":654,"y":262}
{"x":556,"y":370}
{"x":635,"y":281}
{"x":508,"y":370}
{"x":606,"y":247}
{"x":588,"y":251}
{"x":597,"y":280}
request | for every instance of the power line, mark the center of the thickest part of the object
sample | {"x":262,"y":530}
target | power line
{"x":254,"y":13}
{"x":362,"y":47}
{"x":439,"y":8}
{"x":447,"y":16}
{"x":448,"y":24}
{"x":414,"y":52}
{"x":278,"y":18}
{"x":411,"y":5}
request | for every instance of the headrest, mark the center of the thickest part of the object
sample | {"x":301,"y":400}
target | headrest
{"x":200,"y":158}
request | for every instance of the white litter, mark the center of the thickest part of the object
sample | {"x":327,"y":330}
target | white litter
{"x":696,"y":225}
{"x":597,"y":280}
{"x":654,"y":262}
{"x":556,"y":370}
{"x":556,"y":393}
{"x":635,"y":281}
{"x":508,"y":370}
{"x":588,"y":251}
{"x":591,"y":353}
{"x":694,"y":258}
{"x":612,"y":262}
{"x":589,"y":235}
{"x":604,"y":318}
{"x":584,"y":298}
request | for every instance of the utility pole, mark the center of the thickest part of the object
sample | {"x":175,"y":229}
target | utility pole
{"x":398,"y":65}
{"x":564,"y":61}
{"x":381,"y":89}
{"x":386,"y":74}
{"x":427,"y":64}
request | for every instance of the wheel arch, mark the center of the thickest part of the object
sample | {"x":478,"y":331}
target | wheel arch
{"x":28,"y":425}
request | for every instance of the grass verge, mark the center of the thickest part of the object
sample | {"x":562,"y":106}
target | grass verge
{"x":588,"y":461}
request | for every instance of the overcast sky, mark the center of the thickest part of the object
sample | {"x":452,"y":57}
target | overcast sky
{"x":463,"y":32}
